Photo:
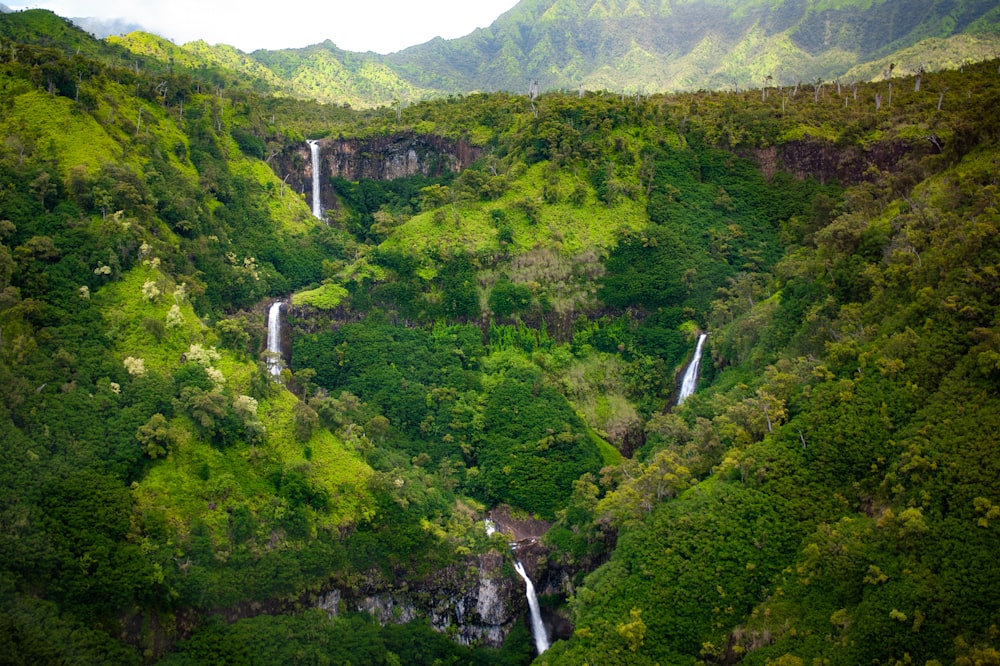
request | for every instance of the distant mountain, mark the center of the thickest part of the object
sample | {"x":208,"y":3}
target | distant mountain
{"x":618,"y":45}
{"x":659,"y":45}
{"x":656,"y":45}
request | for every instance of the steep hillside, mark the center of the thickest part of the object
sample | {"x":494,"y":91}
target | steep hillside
{"x":43,"y":28}
{"x":154,"y":473}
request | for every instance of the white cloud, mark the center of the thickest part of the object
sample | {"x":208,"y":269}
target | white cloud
{"x":376,"y":25}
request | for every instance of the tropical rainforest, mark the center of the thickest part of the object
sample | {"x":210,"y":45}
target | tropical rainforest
{"x":500,"y":337}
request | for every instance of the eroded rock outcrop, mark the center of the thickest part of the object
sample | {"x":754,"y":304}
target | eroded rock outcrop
{"x":849,"y":165}
{"x":377,"y":158}
{"x":475,"y":604}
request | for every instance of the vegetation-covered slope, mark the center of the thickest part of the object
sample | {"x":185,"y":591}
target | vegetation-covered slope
{"x":506,"y":338}
{"x":153,"y":472}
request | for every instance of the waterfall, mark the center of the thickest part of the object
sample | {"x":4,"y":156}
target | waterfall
{"x":274,"y":363}
{"x":317,"y":206}
{"x":690,"y":380}
{"x":537,"y":628}
{"x":491,"y":527}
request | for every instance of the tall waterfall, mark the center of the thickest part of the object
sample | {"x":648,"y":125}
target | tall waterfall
{"x":274,"y":363}
{"x":690,"y":380}
{"x":537,"y":628}
{"x":317,"y":206}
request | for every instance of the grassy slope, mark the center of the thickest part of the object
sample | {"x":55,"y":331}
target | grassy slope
{"x":570,"y":228}
{"x":76,"y":138}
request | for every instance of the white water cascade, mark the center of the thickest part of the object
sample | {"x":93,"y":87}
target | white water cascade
{"x":537,"y":628}
{"x":690,"y":380}
{"x":274,"y":363}
{"x":317,"y":206}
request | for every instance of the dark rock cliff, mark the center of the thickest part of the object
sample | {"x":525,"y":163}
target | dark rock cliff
{"x":376,"y":158}
{"x":850,"y":165}
{"x":475,"y":603}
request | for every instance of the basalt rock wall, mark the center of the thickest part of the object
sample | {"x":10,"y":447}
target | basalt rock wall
{"x":474,"y":604}
{"x":375,"y":158}
{"x":849,"y":165}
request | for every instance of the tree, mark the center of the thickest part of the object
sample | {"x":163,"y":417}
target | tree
{"x":306,"y":421}
{"x":155,"y":436}
{"x":642,"y":486}
{"x":43,"y":187}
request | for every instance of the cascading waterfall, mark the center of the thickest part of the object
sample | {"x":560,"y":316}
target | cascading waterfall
{"x":690,"y":380}
{"x":317,"y":206}
{"x":274,"y":363}
{"x":491,"y":527}
{"x":537,"y":628}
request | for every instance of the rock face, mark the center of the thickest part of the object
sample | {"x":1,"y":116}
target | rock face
{"x":376,"y":158}
{"x":475,"y":604}
{"x":395,"y":156}
{"x":850,"y":165}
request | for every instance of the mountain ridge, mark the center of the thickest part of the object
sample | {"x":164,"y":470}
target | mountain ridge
{"x":626,"y":45}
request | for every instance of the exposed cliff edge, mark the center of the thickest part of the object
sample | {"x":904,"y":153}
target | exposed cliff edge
{"x":848,"y":165}
{"x":475,"y":604}
{"x":376,"y":158}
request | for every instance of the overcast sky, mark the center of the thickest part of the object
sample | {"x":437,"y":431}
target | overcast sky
{"x":383,"y":26}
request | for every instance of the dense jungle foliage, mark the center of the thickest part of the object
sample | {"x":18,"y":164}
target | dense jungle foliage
{"x":508,"y":336}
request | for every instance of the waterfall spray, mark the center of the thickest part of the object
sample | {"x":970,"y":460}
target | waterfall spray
{"x":690,"y":380}
{"x":274,"y":363}
{"x":537,"y":627}
{"x":317,"y":205}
